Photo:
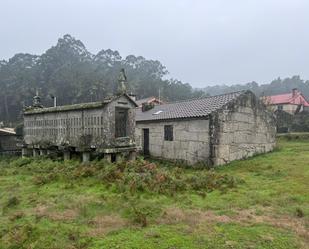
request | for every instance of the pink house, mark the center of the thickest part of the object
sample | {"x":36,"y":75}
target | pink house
{"x":292,"y":102}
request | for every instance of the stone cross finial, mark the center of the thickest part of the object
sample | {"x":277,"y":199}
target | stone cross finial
{"x":122,"y":80}
{"x":37,"y":99}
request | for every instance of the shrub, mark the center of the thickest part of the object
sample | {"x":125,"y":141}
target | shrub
{"x":20,"y":162}
{"x":141,"y":211}
{"x":44,"y":179}
{"x":299,"y":212}
{"x":16,"y":216}
{"x":129,"y":176}
{"x":12,"y":202}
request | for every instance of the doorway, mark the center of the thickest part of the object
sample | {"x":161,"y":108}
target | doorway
{"x":146,"y":142}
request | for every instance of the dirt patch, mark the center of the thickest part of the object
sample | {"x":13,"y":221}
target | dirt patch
{"x":44,"y":211}
{"x":193,"y":217}
{"x":101,"y":225}
{"x":295,"y":224}
{"x":196,"y":217}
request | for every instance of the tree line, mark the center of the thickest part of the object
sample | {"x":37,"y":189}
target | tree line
{"x":74,"y":75}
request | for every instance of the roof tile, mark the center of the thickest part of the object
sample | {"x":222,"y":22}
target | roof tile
{"x":201,"y":107}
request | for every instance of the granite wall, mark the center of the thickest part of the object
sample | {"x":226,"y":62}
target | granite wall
{"x":241,"y":129}
{"x":190,"y":140}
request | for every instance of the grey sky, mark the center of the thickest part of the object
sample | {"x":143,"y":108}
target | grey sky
{"x":203,"y":42}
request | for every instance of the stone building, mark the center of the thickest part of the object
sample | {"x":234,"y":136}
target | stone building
{"x":106,"y":127}
{"x":213,"y":130}
{"x":149,"y":101}
{"x":8,"y":141}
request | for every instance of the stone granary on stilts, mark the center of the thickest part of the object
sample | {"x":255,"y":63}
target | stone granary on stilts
{"x":106,"y":128}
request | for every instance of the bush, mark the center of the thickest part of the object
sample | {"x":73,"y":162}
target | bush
{"x":128,"y":176}
{"x":12,"y":202}
{"x":141,"y":211}
{"x":21,"y":162}
{"x":44,"y":179}
{"x":300,"y":213}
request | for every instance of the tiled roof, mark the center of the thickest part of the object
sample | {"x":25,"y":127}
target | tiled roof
{"x":287,"y":98}
{"x":195,"y":108}
{"x":148,"y":100}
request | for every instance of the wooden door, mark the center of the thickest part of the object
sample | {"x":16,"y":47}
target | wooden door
{"x":146,"y":142}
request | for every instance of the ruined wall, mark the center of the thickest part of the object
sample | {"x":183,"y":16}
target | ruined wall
{"x":241,"y":129}
{"x":190,"y":143}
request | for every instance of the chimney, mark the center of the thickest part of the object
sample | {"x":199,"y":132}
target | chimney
{"x":147,"y":106}
{"x":294,"y":92}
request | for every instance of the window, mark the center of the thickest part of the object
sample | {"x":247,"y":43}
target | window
{"x":280,"y":107}
{"x":168,"y":133}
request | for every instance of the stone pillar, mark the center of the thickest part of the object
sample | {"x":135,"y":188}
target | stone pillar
{"x":35,"y":152}
{"x":67,"y":155}
{"x":24,"y":152}
{"x":108,"y":157}
{"x":132,"y":156}
{"x":86,"y":156}
{"x":119,"y":157}
{"x":42,"y":152}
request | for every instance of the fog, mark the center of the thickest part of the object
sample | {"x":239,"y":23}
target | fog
{"x":202,"y":42}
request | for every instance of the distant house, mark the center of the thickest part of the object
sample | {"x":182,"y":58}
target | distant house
{"x":293,"y":102}
{"x":213,"y":130}
{"x":8,"y":141}
{"x":150,"y":100}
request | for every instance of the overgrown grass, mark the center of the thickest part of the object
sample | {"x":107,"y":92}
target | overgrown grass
{"x":262,"y":202}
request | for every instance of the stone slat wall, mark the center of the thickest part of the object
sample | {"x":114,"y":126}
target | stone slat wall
{"x":78,"y":128}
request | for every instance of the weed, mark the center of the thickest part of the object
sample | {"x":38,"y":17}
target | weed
{"x":12,"y":202}
{"x":22,"y":162}
{"x":16,"y":216}
{"x":299,"y":213}
{"x":18,"y":235}
{"x":44,"y":179}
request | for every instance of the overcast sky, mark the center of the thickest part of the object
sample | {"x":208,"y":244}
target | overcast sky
{"x":202,"y":42}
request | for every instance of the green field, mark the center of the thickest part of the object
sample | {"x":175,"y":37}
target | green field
{"x":262,"y":202}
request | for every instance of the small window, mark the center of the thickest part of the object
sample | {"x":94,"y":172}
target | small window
{"x":280,"y":107}
{"x":168,"y":133}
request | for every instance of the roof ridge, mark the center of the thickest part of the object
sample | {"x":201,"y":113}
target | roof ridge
{"x":205,"y":97}
{"x":279,"y":94}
